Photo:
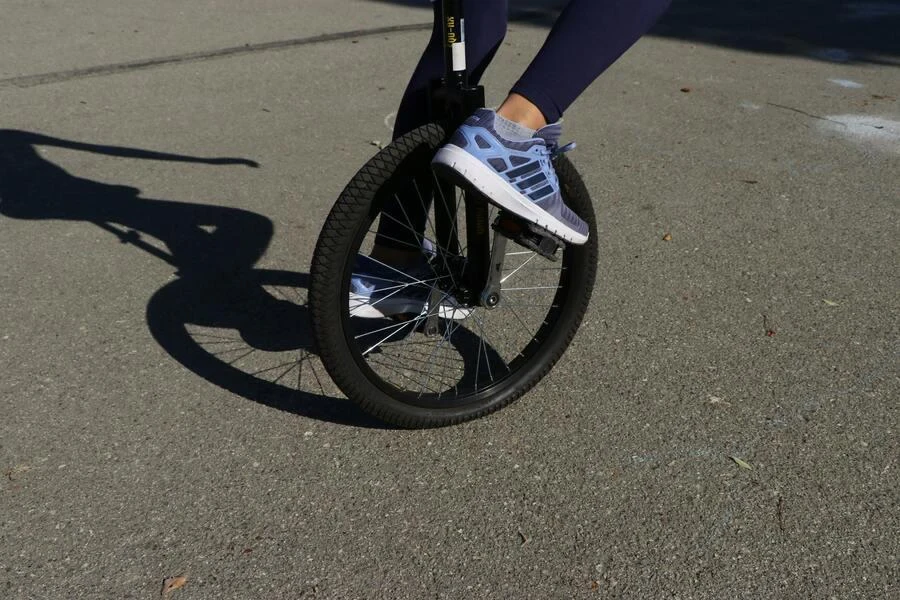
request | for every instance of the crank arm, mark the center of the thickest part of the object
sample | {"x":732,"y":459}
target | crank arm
{"x":490,"y":296}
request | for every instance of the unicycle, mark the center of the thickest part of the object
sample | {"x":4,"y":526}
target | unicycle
{"x":499,"y":299}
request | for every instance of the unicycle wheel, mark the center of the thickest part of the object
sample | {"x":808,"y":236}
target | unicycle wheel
{"x":449,"y":359}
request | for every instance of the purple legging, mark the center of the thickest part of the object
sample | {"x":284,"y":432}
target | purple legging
{"x":586,"y":39}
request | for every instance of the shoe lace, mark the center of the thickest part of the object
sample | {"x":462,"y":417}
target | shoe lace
{"x":559,"y":150}
{"x":550,"y":153}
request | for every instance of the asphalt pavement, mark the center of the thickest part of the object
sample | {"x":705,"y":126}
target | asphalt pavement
{"x":725,"y":424}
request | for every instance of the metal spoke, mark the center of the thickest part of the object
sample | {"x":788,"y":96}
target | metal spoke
{"x":478,"y":361}
{"x":418,"y":234}
{"x":453,"y":218}
{"x":487,"y":360}
{"x":428,"y":352}
{"x":377,"y":344}
{"x":516,"y":270}
{"x":396,"y":326}
{"x":393,"y":239}
{"x":450,"y":331}
{"x":397,"y":289}
{"x":403,"y":347}
{"x":407,"y":275}
{"x":404,"y":376}
{"x":399,"y":285}
{"x":442,"y":252}
{"x":382,"y":299}
{"x":527,"y":328}
{"x":422,"y":315}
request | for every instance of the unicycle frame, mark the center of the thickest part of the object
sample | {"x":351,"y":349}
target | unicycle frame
{"x":451,"y":100}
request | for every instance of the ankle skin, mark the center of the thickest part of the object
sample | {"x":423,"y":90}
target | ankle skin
{"x":521,"y":110}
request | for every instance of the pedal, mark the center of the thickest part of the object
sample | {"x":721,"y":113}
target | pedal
{"x":528,"y":235}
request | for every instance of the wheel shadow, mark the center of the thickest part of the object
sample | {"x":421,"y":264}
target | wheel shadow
{"x":251,"y":335}
{"x":242,"y":329}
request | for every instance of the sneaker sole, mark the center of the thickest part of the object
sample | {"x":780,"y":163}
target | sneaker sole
{"x":459,"y":166}
{"x":360,"y":306}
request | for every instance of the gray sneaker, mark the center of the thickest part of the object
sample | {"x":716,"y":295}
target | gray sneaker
{"x":517,"y":176}
{"x":378,"y":290}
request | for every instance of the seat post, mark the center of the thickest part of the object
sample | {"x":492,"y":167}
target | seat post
{"x":453,"y":23}
{"x":452,"y":98}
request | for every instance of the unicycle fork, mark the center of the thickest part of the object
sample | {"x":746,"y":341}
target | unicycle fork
{"x":452,"y":100}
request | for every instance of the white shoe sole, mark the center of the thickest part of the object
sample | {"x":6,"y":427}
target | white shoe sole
{"x":501,"y":193}
{"x":361,"y":306}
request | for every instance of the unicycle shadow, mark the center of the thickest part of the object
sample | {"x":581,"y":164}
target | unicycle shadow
{"x":242,"y":329}
{"x":251,"y":335}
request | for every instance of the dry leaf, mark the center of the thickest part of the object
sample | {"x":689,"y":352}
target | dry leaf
{"x":173,"y":583}
{"x":16,"y":470}
{"x":522,"y":538}
{"x":667,"y":237}
{"x":685,"y":89}
{"x":770,"y":328}
{"x":830,"y":302}
{"x":741,"y":463}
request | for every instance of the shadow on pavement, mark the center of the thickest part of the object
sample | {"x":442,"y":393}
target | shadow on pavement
{"x":243,"y":329}
{"x":831,"y":30}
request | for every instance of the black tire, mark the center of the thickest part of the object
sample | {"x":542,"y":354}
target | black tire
{"x":372,"y":384}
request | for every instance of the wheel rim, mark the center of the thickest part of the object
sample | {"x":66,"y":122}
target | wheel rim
{"x":474,"y":358}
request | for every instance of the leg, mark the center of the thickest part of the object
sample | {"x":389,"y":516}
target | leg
{"x":508,"y":154}
{"x":485,"y":29}
{"x":586,"y":39}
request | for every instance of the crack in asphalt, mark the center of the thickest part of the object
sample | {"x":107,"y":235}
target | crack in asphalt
{"x":821,"y":118}
{"x":27,"y":81}
{"x":803,"y":112}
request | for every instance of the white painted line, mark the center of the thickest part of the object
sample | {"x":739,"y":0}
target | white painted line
{"x":847,"y":83}
{"x":865,"y":130}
